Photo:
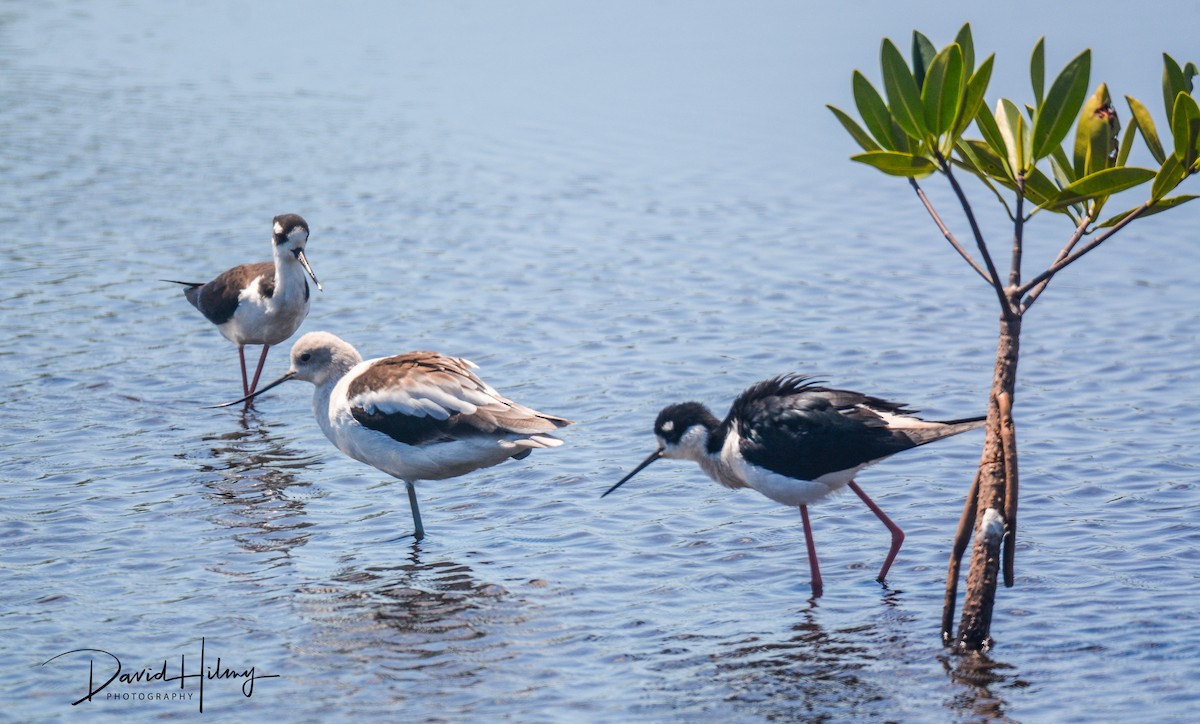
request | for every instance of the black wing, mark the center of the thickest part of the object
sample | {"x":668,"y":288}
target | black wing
{"x":218,"y":299}
{"x":793,"y":427}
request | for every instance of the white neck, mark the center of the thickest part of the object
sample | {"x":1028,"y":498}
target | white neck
{"x":694,"y":446}
{"x":289,"y":275}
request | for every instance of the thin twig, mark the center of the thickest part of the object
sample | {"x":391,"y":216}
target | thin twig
{"x":1062,"y":264}
{"x":1079,"y":231}
{"x":1014,"y":274}
{"x":946,"y":232}
{"x":990,"y":186}
{"x":993,"y":276}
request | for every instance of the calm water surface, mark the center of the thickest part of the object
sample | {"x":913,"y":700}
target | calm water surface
{"x":608,"y":208}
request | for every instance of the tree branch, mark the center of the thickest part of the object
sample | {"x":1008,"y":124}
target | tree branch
{"x":946,"y":232}
{"x":1041,"y":286}
{"x":1062,"y":264}
{"x":1014,"y":274}
{"x":988,"y":184}
{"x":992,"y":275}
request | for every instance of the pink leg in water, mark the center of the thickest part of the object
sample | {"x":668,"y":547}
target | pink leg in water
{"x":258,"y":372}
{"x":897,"y":534}
{"x":817,"y":586}
{"x":242,"y":359}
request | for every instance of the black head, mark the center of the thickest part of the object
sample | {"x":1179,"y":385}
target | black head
{"x":286,"y":225}
{"x":670,"y":428}
{"x":675,"y":420}
{"x":291,"y":234}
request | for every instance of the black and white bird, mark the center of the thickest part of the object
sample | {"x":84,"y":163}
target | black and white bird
{"x":415,"y":416}
{"x":796,"y":442}
{"x":260,"y":303}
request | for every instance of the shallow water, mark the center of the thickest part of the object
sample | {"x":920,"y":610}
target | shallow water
{"x":608,"y":210}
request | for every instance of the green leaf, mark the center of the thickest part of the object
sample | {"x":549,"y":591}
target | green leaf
{"x":873,"y":110}
{"x":904,"y":98}
{"x":1185,"y":127}
{"x":1015,"y":132}
{"x":1101,"y":184}
{"x":1174,"y":82}
{"x":1168,"y":177}
{"x":983,"y":157}
{"x":1156,"y":207}
{"x":1145,"y":124}
{"x":943,"y":91}
{"x":1064,"y":173}
{"x":860,"y":136}
{"x":1059,"y":156}
{"x":991,"y":134}
{"x":897,"y":164}
{"x":973,"y":99}
{"x":1037,"y":70}
{"x":923,"y":53}
{"x":1126,"y":143}
{"x":967,"y":44}
{"x":1038,"y":187}
{"x":1097,"y":135}
{"x":1057,"y":113}
{"x":903,"y":143}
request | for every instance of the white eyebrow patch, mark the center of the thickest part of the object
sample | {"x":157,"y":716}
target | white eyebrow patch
{"x":668,"y":426}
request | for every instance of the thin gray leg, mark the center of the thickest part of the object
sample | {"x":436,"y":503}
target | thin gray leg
{"x":419,"y":533}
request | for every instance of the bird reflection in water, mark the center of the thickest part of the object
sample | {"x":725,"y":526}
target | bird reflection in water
{"x":813,"y":674}
{"x":254,"y":475}
{"x":434,"y":622}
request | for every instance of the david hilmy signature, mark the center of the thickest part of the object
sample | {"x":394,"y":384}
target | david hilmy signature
{"x":151,"y":674}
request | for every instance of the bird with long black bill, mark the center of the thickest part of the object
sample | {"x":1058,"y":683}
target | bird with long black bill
{"x":796,"y":442}
{"x":261,"y":303}
{"x":415,"y":416}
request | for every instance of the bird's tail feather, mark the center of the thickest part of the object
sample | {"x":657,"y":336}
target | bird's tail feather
{"x":943,"y":429}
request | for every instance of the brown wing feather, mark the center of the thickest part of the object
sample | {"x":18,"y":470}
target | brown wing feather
{"x":439,"y":375}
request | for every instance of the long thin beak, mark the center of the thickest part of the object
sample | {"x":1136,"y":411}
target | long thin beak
{"x":642,"y":466}
{"x":256,"y":393}
{"x":307,"y":268}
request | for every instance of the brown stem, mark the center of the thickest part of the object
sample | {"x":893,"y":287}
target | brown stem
{"x":975,"y":622}
{"x":962,"y":536}
{"x":1008,"y":441}
{"x":1014,"y":274}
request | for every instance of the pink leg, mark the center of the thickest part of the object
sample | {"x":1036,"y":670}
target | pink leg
{"x":242,"y":359}
{"x":817,"y":586}
{"x":897,"y":534}
{"x":258,"y":372}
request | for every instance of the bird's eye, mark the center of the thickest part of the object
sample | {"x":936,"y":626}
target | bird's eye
{"x":305,"y":357}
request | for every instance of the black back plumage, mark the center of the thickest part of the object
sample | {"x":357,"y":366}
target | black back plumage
{"x":793,"y":426}
{"x":412,"y":430}
{"x":218,"y":299}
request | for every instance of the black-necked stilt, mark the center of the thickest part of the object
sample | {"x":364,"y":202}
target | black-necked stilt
{"x":415,"y":416}
{"x":260,"y":303}
{"x":796,"y":442}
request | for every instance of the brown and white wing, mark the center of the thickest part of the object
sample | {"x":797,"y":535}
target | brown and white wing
{"x":425,"y":396}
